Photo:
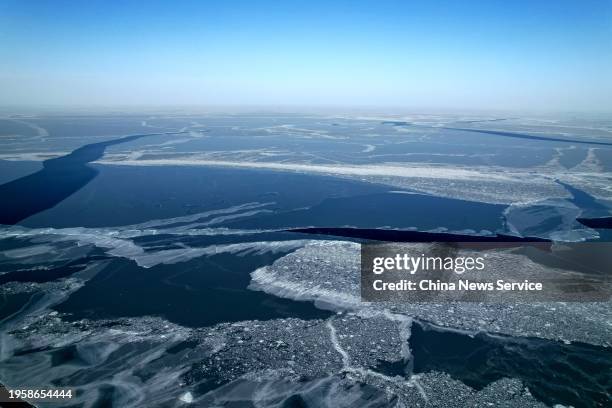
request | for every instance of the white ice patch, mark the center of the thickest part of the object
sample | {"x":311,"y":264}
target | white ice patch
{"x":172,"y":256}
{"x":328,"y":273}
{"x":187,"y":398}
{"x":368,"y":148}
{"x":486,"y":184}
{"x":313,"y":272}
{"x":36,"y":156}
{"x":196,"y":217}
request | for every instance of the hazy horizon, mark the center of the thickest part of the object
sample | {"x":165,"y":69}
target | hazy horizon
{"x":477,"y":56}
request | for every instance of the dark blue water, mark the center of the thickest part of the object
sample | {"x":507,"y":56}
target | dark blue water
{"x":123,"y":195}
{"x":570,"y":374}
{"x":60,"y":178}
{"x":11,"y":170}
{"x":387,"y":209}
{"x":201,"y":292}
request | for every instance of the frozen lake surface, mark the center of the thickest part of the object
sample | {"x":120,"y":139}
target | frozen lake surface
{"x":146,"y":257}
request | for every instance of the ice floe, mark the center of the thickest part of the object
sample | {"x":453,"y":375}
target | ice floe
{"x":328,"y":274}
{"x":554,"y":219}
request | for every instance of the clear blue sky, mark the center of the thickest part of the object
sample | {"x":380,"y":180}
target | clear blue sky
{"x":536,"y":54}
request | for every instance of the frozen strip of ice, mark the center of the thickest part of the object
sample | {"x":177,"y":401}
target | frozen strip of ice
{"x":27,"y":252}
{"x":487,"y":184}
{"x":41,"y":132}
{"x":172,"y":256}
{"x":197,"y":216}
{"x":37,"y":156}
{"x":590,"y":163}
{"x":404,"y":170}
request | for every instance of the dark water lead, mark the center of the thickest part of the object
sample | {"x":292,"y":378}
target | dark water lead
{"x":573,"y":374}
{"x":59,"y":178}
{"x":389,"y":235}
{"x":597,"y":223}
{"x":530,"y":137}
